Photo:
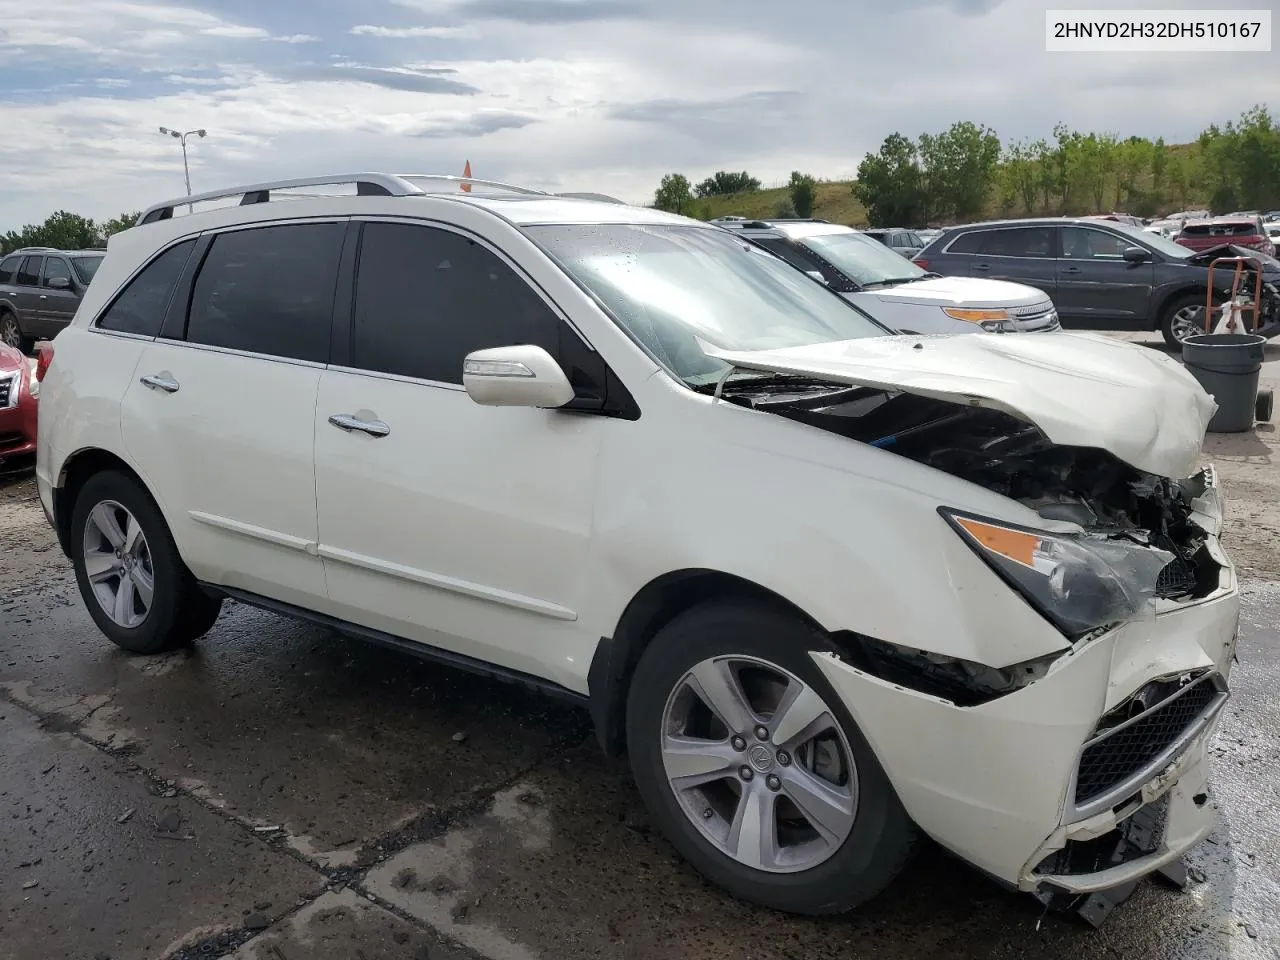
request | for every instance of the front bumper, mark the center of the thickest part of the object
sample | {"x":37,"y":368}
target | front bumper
{"x":996,"y":783}
{"x":18,"y":421}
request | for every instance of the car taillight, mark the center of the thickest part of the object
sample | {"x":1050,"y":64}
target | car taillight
{"x":44,"y":358}
{"x":922,"y":264}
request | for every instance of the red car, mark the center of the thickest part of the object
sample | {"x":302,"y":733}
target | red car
{"x":1201,"y":235}
{"x":19,"y":388}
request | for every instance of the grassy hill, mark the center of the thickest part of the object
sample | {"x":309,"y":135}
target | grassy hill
{"x":836,"y":202}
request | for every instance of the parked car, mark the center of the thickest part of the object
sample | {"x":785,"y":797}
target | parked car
{"x":882,"y":591}
{"x":1273,"y":234}
{"x":1118,"y":218}
{"x":40,"y":289}
{"x":19,"y":390}
{"x":899,"y":240}
{"x":1101,"y":274}
{"x":1169,"y":229}
{"x":1247,"y":232}
{"x":895,"y":291}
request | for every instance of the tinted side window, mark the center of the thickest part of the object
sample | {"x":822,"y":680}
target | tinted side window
{"x":800,"y":256}
{"x":55,"y":267}
{"x":1081,"y":243}
{"x":1020,"y":242}
{"x":425,"y":298}
{"x":269,"y":290}
{"x":968,"y":242}
{"x":140,"y":308}
{"x":8,"y":267}
{"x":29,"y":272}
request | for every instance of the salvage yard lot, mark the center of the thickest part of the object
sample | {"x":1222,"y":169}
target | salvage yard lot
{"x":281,"y":793}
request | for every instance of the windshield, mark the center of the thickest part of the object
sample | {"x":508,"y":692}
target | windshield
{"x":1155,"y":241}
{"x":865,"y":260}
{"x":669,"y":286}
{"x":85,"y":267}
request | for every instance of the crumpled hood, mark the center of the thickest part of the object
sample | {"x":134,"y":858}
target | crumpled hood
{"x":970,"y":292}
{"x":1081,"y":390}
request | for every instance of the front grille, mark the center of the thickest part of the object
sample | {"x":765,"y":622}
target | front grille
{"x":1178,"y":579}
{"x":7,"y":392}
{"x":1129,"y":748}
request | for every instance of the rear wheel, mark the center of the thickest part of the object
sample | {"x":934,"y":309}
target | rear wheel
{"x":134,"y":583}
{"x":754,"y":769}
{"x":11,"y":333}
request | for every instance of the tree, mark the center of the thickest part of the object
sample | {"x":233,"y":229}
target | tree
{"x":1133,"y":158}
{"x":723,"y":184}
{"x":122,"y":222}
{"x":673,"y":194}
{"x":785,"y":210}
{"x":889,"y":183}
{"x":1019,"y":177}
{"x":959,"y":170}
{"x":803,"y":191}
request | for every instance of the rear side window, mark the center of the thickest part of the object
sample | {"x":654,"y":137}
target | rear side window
{"x":141,"y":307}
{"x":8,"y":267}
{"x":85,"y":267}
{"x":425,"y":298}
{"x":29,"y":272}
{"x":968,"y":242}
{"x":269,"y":290}
{"x":1019,"y":242}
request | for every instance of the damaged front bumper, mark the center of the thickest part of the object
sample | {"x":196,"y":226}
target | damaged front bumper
{"x":1040,"y":787}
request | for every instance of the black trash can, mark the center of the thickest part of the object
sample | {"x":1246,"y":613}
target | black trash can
{"x":1228,"y":366}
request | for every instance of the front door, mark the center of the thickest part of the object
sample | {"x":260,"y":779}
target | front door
{"x":57,"y":306}
{"x":455,"y":525}
{"x":1097,"y":287}
{"x":221,"y":411}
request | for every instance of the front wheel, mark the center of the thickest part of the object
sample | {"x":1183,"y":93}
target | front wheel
{"x":754,"y":769}
{"x":1183,"y":318}
{"x":11,"y":334}
{"x":134,"y":583}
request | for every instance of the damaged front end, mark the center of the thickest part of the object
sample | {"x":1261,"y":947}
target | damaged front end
{"x":1116,"y":539}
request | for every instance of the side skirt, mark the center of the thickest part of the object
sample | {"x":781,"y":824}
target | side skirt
{"x":420,"y":650}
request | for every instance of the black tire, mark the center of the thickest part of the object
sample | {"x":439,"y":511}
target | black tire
{"x":1262,"y":406}
{"x":882,"y":837}
{"x":180,"y":611}
{"x":1181,"y":303}
{"x":11,"y":333}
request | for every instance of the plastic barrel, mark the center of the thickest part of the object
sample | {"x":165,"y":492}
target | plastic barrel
{"x":1228,"y":366}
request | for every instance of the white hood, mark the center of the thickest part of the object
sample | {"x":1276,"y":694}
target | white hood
{"x":1081,"y":390}
{"x":970,"y":292}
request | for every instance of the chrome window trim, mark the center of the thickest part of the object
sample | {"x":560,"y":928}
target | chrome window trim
{"x":398,"y":378}
{"x":247,"y":354}
{"x":122,"y":334}
{"x":1132,"y":783}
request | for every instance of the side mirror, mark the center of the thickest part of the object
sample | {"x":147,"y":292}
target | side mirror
{"x":58,"y":283}
{"x":521,"y":376}
{"x":816,"y":275}
{"x":1136,"y":255}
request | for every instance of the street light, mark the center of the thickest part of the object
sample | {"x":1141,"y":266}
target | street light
{"x":182,"y":138}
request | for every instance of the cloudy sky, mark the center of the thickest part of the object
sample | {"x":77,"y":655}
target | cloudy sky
{"x":599,"y":95}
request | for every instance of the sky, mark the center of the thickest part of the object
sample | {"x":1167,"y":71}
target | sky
{"x":584,"y":95}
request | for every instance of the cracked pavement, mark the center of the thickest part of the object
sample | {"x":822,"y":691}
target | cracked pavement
{"x":280,"y":792}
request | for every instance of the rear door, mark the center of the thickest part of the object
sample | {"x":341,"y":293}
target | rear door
{"x":1018,"y":254}
{"x":221,"y":407}
{"x":26,"y":295}
{"x":57,"y":306}
{"x":1097,"y":287}
{"x":453,"y":524}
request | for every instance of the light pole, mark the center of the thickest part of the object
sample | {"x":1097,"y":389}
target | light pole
{"x":182,"y":138}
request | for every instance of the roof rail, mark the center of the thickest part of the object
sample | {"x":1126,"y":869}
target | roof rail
{"x":600,"y":197}
{"x":35,"y":250}
{"x":413,"y":178}
{"x":367,"y":184}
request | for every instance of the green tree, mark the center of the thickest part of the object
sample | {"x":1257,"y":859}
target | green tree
{"x":723,"y":184}
{"x":1133,"y":159}
{"x":803,"y":191}
{"x":673,"y":194}
{"x":958,"y":169}
{"x":1019,"y":178}
{"x":117,"y":224}
{"x":785,"y":210}
{"x":889,"y":183}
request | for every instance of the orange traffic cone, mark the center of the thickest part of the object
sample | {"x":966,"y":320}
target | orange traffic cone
{"x":466,"y":172}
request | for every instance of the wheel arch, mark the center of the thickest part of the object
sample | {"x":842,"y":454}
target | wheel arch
{"x":656,"y":604}
{"x":74,"y":473}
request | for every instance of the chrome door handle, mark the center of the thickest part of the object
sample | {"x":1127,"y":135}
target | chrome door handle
{"x":44,"y":296}
{"x":344,"y":421}
{"x":167,"y":384}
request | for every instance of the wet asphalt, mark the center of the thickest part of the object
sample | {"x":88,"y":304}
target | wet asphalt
{"x":280,"y":792}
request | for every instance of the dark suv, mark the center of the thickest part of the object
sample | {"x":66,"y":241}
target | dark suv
{"x":1101,"y":274}
{"x":40,"y":291}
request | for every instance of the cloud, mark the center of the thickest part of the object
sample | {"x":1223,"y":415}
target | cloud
{"x":479,"y":124}
{"x":408,"y":33}
{"x":236,"y":32}
{"x":392,"y":78}
{"x":536,"y":11}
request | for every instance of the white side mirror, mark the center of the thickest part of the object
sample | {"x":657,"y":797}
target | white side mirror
{"x":521,"y":376}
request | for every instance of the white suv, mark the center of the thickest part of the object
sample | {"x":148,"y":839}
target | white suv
{"x":827,"y":587}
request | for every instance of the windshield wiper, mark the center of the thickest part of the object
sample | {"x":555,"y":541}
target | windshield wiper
{"x":748,"y":380}
{"x":891,"y":282}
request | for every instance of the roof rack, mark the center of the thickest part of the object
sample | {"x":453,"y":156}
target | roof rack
{"x":35,"y":250}
{"x":367,"y":185}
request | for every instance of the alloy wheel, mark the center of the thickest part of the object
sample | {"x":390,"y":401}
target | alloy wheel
{"x":118,"y":564}
{"x":9,"y":332}
{"x":759,"y":764}
{"x":1187,"y":322}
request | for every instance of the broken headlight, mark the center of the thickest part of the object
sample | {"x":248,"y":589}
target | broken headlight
{"x":1079,"y":582}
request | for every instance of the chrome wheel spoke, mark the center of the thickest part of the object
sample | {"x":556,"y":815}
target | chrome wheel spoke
{"x":690,"y":762}
{"x":715,"y":683}
{"x":800,"y":716}
{"x":828,"y":808}
{"x":104,"y":520}
{"x":132,"y":532}
{"x":753,"y":837}
{"x":100,"y":565}
{"x":143,"y":585}
{"x":122,"y":609}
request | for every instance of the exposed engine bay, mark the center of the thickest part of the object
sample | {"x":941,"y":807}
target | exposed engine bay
{"x":1007,"y":455}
